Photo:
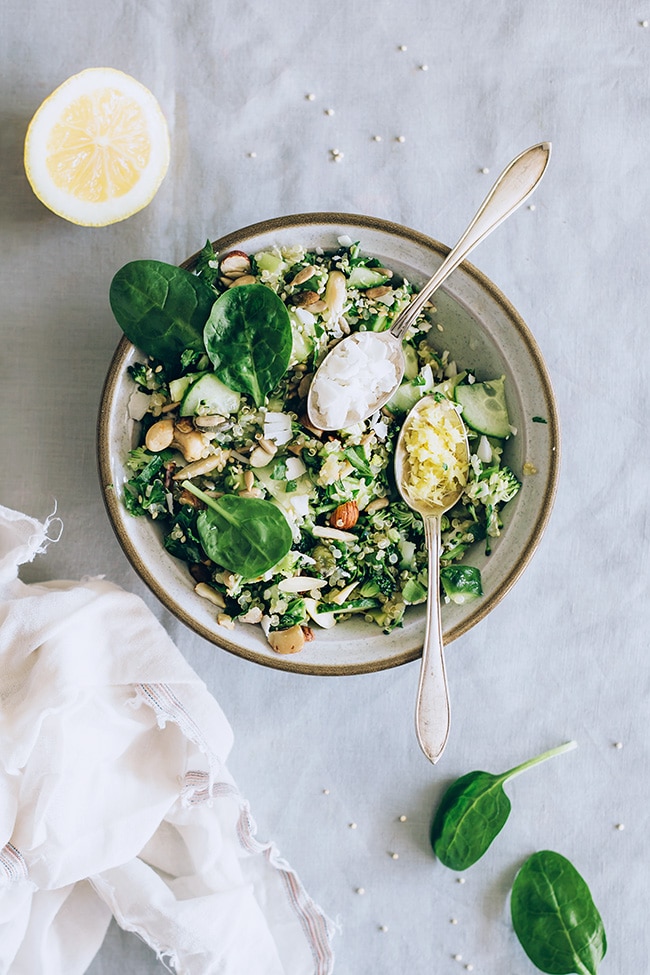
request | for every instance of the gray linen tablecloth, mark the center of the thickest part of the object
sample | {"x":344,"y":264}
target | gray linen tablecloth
{"x":419,"y":98}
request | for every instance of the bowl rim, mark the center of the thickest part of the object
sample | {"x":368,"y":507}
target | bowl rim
{"x":484,"y":606}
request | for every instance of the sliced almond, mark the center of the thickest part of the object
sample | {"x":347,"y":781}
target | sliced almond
{"x":325,"y":620}
{"x":343,"y":595}
{"x":300,"y":584}
{"x":325,"y":531}
{"x":376,"y":505}
{"x":198,"y":467}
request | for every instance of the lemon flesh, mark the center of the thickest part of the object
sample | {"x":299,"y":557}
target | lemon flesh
{"x":97,"y":149}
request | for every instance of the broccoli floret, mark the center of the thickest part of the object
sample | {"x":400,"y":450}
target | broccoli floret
{"x":390,"y":614}
{"x":138,"y":458}
{"x":493,"y":487}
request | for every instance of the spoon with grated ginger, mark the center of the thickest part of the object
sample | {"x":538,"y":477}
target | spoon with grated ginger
{"x":431,"y":470}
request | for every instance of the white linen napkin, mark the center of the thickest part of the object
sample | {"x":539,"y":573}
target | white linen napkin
{"x":115,"y":798}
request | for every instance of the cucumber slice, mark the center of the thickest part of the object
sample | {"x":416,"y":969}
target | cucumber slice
{"x":484,"y":407}
{"x":408,"y":394}
{"x":411,"y":364}
{"x":208,"y":396}
{"x":178,"y":387}
{"x":366,"y":277}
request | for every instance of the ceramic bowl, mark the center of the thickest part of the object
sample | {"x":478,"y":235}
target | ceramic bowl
{"x":482,"y":330}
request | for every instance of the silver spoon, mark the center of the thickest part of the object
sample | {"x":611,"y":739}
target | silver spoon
{"x":512,"y":188}
{"x":432,"y":711}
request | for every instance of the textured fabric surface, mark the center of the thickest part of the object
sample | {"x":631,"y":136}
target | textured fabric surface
{"x":116,"y":799}
{"x":565,"y":654}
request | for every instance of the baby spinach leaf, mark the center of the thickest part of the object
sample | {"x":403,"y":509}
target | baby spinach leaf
{"x":555,"y":918}
{"x":461,"y":582}
{"x":161,"y":308}
{"x":247,"y":536}
{"x":357,"y":457}
{"x":248,"y":339}
{"x":473,"y":811}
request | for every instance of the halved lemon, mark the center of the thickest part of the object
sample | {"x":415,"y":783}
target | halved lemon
{"x":97,"y":149}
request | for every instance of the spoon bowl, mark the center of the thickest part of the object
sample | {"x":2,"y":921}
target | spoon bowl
{"x":328,"y":395}
{"x":432,"y":417}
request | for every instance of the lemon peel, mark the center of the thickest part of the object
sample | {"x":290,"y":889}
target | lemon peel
{"x":97,"y":148}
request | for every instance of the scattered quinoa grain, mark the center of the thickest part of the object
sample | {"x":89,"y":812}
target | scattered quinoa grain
{"x":620,"y":826}
{"x":353,"y":825}
{"x":402,"y":819}
{"x":329,"y":111}
{"x":400,"y":138}
{"x":461,"y":880}
{"x":383,"y":927}
{"x":485,"y":170}
{"x":424,"y":67}
{"x":310,"y":97}
{"x":361,"y":890}
{"x":402,"y":47}
{"x":376,"y":138}
{"x":618,"y":744}
{"x":394,"y":856}
{"x":457,"y":957}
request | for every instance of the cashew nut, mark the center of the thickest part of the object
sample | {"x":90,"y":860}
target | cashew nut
{"x":287,"y":641}
{"x":190,"y":443}
{"x":260,"y":457}
{"x":159,"y":435}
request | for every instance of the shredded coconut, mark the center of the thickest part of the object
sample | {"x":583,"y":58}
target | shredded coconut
{"x":354,"y":378}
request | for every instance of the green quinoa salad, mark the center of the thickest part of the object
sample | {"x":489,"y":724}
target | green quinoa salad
{"x":280,"y":524}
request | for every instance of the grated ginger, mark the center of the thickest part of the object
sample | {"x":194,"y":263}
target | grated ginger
{"x":437,"y":460}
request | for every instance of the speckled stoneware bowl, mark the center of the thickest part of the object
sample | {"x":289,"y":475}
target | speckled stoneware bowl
{"x":482,"y":330}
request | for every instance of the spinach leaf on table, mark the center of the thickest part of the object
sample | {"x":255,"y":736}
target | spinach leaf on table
{"x":161,"y":308}
{"x":247,"y":536}
{"x":474,"y":810}
{"x":248,"y":340}
{"x":555,"y":918}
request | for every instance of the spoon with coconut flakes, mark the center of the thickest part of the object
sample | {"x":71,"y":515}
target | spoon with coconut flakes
{"x":361,"y":373}
{"x":431,"y":470}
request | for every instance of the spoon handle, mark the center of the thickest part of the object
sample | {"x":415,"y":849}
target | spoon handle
{"x":432,"y":710}
{"x":512,"y":188}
